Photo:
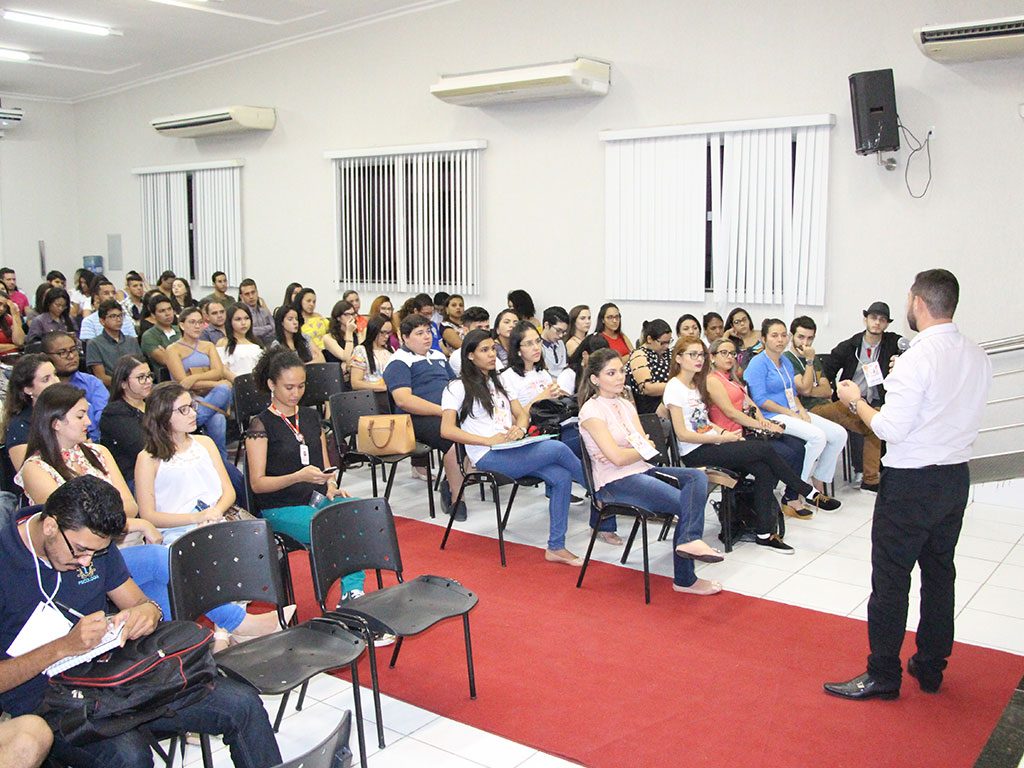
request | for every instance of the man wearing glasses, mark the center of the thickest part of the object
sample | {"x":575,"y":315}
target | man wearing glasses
{"x":62,"y":349}
{"x":103,"y":351}
{"x":556,"y":323}
{"x":92,"y":325}
{"x":60,"y":563}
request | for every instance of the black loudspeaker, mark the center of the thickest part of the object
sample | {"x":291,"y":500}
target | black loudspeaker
{"x":873,"y":96}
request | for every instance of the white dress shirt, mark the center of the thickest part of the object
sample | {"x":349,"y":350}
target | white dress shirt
{"x":91,"y":326}
{"x":934,"y":397}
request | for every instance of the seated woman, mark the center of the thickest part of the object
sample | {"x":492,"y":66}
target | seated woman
{"x":239,"y":349}
{"x":687,"y":325}
{"x":714,"y":327}
{"x":121,"y":423}
{"x":313,"y":325}
{"x":611,"y":431}
{"x":504,"y":322}
{"x":381,"y":306}
{"x":770,"y":378}
{"x":740,"y":328}
{"x":728,"y":408}
{"x":701,"y":443}
{"x":609,"y":323}
{"x":569,"y":378}
{"x":579,"y":327}
{"x":12,"y":334}
{"x":342,"y":336}
{"x":286,"y":453}
{"x":181,"y":296}
{"x":30,"y":376}
{"x":181,"y":483}
{"x":352,"y":297}
{"x":477,"y":412}
{"x":54,"y":317}
{"x":526,"y":379}
{"x":196,"y":366}
{"x":452,"y":327}
{"x":520,"y":302}
{"x":647,"y":366}
{"x":286,"y":333}
{"x":371,"y":357}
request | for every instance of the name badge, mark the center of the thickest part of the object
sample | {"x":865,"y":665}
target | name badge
{"x":642,"y":446}
{"x":873,"y":374}
{"x":791,"y":399}
{"x":304,"y":454}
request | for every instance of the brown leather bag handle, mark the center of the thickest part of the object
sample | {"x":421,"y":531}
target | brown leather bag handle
{"x":370,"y":431}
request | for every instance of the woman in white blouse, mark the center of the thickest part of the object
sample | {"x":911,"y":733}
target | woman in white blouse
{"x":239,"y":349}
{"x":526,"y":379}
{"x":370,"y":357}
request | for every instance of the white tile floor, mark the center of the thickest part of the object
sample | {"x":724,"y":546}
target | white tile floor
{"x":830,"y":572}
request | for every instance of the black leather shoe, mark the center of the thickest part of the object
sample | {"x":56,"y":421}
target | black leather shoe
{"x":863,"y":687}
{"x":929,"y":683}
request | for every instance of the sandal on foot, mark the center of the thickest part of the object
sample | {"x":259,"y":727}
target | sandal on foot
{"x":713,"y":588}
{"x":712,"y":555}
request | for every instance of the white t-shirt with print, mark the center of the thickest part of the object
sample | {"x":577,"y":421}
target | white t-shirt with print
{"x":695,"y":410}
{"x":479,"y":422}
{"x":525,"y":388}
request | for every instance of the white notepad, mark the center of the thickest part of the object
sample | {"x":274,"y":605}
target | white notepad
{"x":111,"y":640}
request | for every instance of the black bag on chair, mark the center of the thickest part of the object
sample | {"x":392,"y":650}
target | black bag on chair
{"x":546,"y":416}
{"x":149,"y":678}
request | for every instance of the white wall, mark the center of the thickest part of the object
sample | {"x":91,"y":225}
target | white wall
{"x":673,"y":62}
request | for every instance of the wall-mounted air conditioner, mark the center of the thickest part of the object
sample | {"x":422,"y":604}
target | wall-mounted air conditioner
{"x":11,"y":116}
{"x":973,"y":40}
{"x":216,"y":121}
{"x":576,"y":77}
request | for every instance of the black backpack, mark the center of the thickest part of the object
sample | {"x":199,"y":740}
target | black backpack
{"x":149,"y":678}
{"x":546,"y":416}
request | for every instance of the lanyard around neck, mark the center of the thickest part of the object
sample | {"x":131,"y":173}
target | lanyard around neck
{"x":293,"y":427}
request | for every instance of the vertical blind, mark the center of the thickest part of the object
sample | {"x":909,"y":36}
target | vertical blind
{"x":216,"y":202}
{"x":409,"y":220}
{"x":165,"y":232}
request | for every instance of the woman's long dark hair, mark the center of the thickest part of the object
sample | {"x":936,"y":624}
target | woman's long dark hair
{"x":595,"y":364}
{"x":590,"y":344}
{"x":232,"y":342}
{"x":22,"y":376}
{"x":700,"y":378}
{"x":515,"y":340}
{"x":334,"y":326}
{"x":373,"y":327}
{"x":122,"y":372}
{"x":522,"y":304}
{"x":301,"y":343}
{"x":682,"y":319}
{"x":185,"y":303}
{"x":287,"y":301}
{"x":54,"y":403}
{"x":59,"y":293}
{"x":297,"y":302}
{"x":156,"y":421}
{"x":653,"y":329}
{"x":599,"y":328}
{"x":574,"y":315}
{"x":474,"y":380}
{"x":732,"y":314}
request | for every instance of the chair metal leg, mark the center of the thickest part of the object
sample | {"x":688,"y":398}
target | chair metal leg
{"x":430,"y":492}
{"x":440,"y":470}
{"x":647,"y":569}
{"x":725,"y":514}
{"x":373,"y":477}
{"x":451,"y":517}
{"x":469,"y":656}
{"x":483,"y":496}
{"x":391,"y":480}
{"x":302,"y":696}
{"x":376,"y":687}
{"x":501,"y":526}
{"x":358,"y":704}
{"x":629,"y":541}
{"x":511,"y":500}
{"x":665,"y":528}
{"x":280,"y":710}
{"x":394,"y":654}
{"x":204,"y":745}
{"x":590,"y":549}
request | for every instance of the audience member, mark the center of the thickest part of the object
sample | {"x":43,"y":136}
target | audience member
{"x":181,"y":295}
{"x":240,"y":349}
{"x":81,"y":295}
{"x":687,"y":325}
{"x":579,"y":327}
{"x":29,"y":377}
{"x":220,"y":290}
{"x":556,"y":325}
{"x":146,"y":320}
{"x":772,"y":384}
{"x":371,"y":356}
{"x":102,"y":291}
{"x":352,"y":297}
{"x":163,"y":334}
{"x":816,"y":394}
{"x":648,"y":364}
{"x":215,"y":316}
{"x":613,"y":437}
{"x":54,"y":316}
{"x":262,"y":320}
{"x":286,"y":332}
{"x":54,"y":279}
{"x":477,"y":412}
{"x":740,"y":328}
{"x":714,"y":327}
{"x":70,"y":534}
{"x":520,"y":302}
{"x":472,"y":318}
{"x":313,"y":325}
{"x":569,"y":378}
{"x":10,"y":280}
{"x":25,"y":741}
{"x":504,"y":322}
{"x":133,"y":303}
{"x":452,"y":325}
{"x":437,"y":311}
{"x":609,"y":324}
{"x":131,"y":382}
{"x":62,"y":350}
{"x":12,"y":328}
{"x":381,"y":306}
{"x":104,"y":350}
{"x":526,"y":379}
{"x":342,"y":335}
{"x":165,"y":283}
{"x":289,"y":295}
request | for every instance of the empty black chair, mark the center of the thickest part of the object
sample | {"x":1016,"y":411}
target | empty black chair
{"x":346,"y":408}
{"x":479,"y":477}
{"x":655,"y":429}
{"x":332,"y":752}
{"x":359,"y":535}
{"x":322,"y":381}
{"x":217,"y":564}
{"x":249,"y":401}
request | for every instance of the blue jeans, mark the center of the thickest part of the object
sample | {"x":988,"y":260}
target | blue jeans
{"x":647,"y":491}
{"x":791,"y":451}
{"x":555,"y":464}
{"x":214,"y":423}
{"x":231,"y":709}
{"x":148,"y":565}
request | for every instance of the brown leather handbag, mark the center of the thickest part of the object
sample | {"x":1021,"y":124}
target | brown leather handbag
{"x":385,"y":434}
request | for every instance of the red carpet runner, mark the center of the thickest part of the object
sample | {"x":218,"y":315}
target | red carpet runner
{"x":596,"y":676}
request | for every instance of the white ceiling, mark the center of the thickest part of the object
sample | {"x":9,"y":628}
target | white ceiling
{"x":157,"y":37}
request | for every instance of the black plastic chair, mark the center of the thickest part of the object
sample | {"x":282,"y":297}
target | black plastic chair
{"x":640,"y":517}
{"x":655,"y":429}
{"x":479,"y":477}
{"x":346,"y":408}
{"x":249,"y":401}
{"x":231,"y":561}
{"x":332,"y":752}
{"x":322,"y":381}
{"x":359,"y":535}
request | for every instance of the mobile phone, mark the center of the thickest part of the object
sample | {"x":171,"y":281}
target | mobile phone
{"x":329,"y":470}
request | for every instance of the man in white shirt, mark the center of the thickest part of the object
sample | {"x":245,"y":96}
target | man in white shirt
{"x":92,"y":326}
{"x":935,"y":395}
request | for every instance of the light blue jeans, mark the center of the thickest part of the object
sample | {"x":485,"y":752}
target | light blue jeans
{"x":214,"y":423}
{"x":555,"y":464}
{"x":647,"y":491}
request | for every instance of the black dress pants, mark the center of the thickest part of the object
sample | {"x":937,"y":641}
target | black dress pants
{"x":917,"y":519}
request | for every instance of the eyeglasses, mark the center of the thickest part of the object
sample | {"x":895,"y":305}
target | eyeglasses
{"x":77,"y":554}
{"x":66,"y":353}
{"x":695,"y":355}
{"x":184,"y":409}
{"x":349,"y":313}
{"x":142,"y":378}
{"x":114,"y":316}
{"x":726,"y":353}
{"x":613,"y":317}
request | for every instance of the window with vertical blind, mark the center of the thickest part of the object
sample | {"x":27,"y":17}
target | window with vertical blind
{"x":408,"y":218}
{"x":192,"y":220}
{"x":738,"y":209}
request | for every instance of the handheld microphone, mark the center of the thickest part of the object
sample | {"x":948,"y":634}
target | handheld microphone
{"x":903,"y":344}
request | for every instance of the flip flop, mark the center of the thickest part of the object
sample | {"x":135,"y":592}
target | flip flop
{"x":715,"y":556}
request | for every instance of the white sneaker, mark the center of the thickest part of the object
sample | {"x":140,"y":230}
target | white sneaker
{"x":352,"y":594}
{"x":379,"y":641}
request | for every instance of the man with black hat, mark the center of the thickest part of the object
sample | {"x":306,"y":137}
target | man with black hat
{"x":864,"y":359}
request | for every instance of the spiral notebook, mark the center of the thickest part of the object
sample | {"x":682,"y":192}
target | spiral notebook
{"x":111,"y":640}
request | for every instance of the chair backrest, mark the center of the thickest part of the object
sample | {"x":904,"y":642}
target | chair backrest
{"x":651,"y":422}
{"x":322,"y":381}
{"x":347,"y":407}
{"x":248,"y":400}
{"x":332,"y":752}
{"x":352,"y":535}
{"x":252,"y":506}
{"x":588,"y":470}
{"x":224,"y":563}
